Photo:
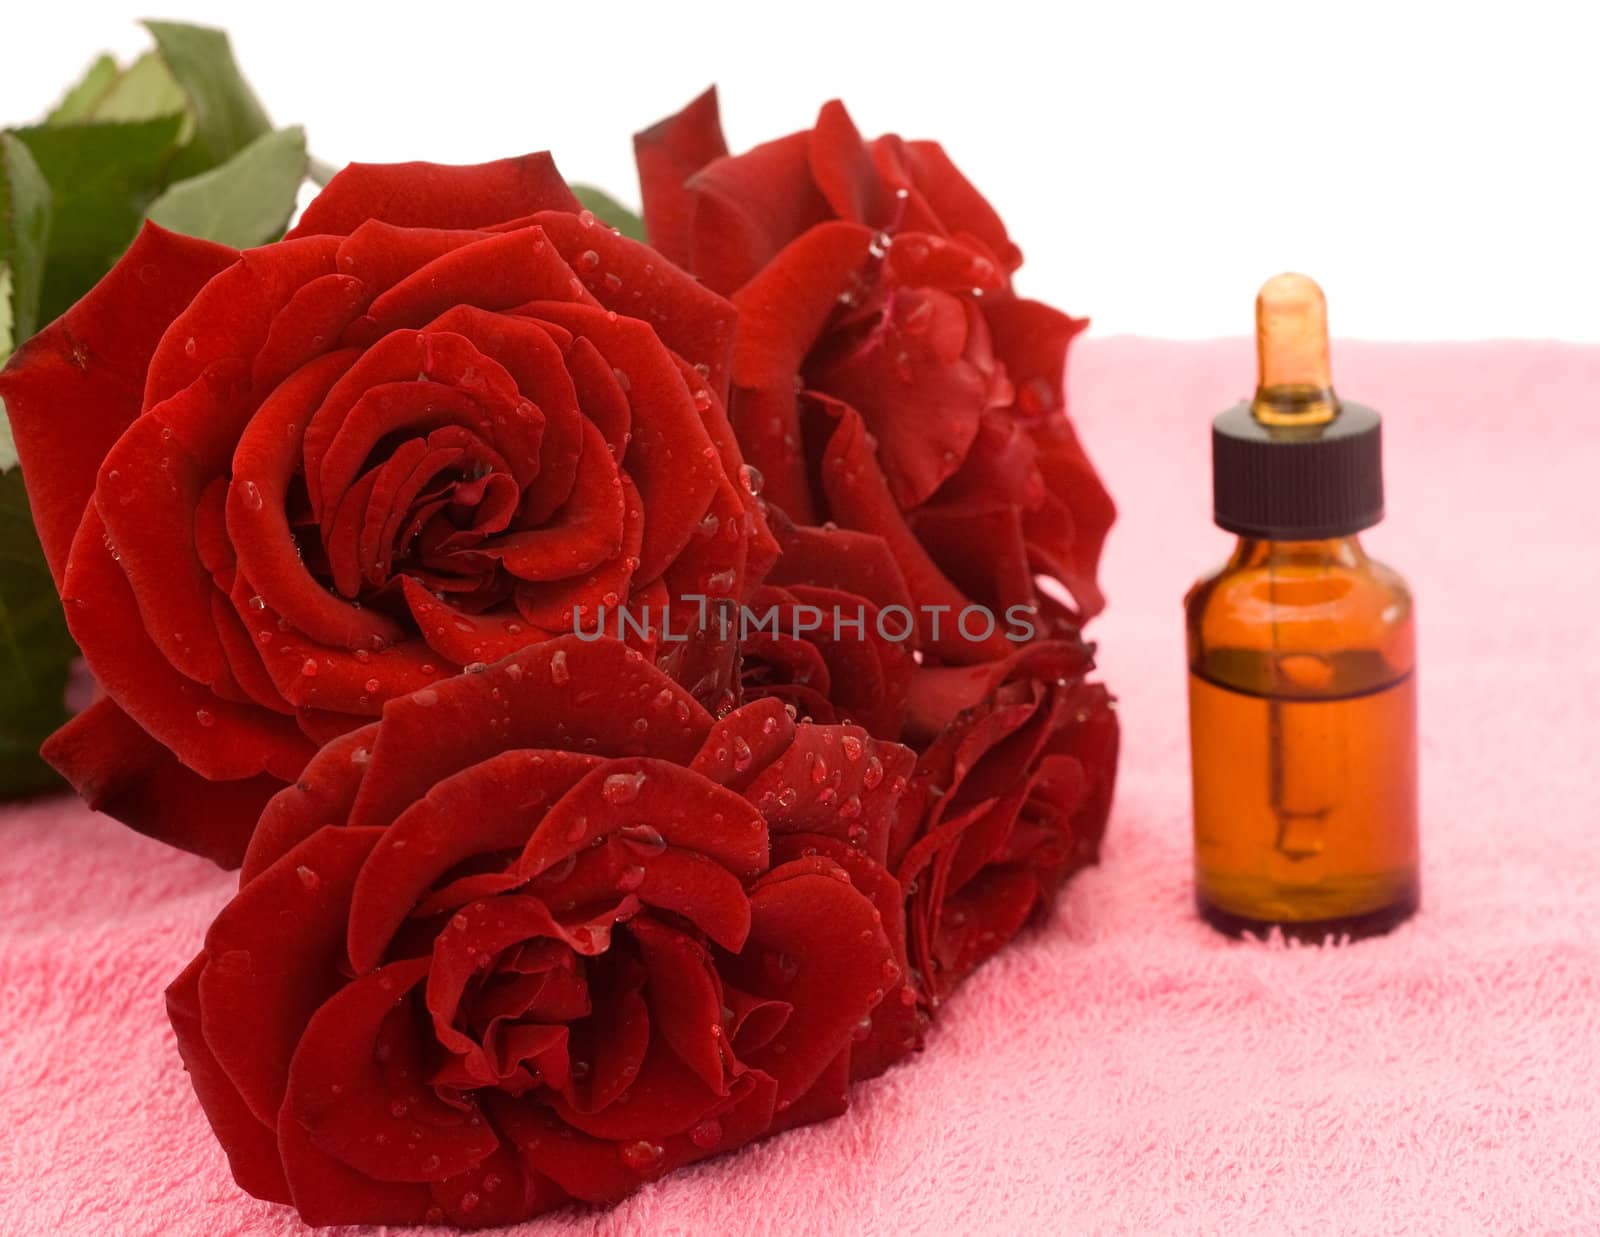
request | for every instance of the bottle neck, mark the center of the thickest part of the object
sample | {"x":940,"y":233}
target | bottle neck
{"x":1330,"y":552}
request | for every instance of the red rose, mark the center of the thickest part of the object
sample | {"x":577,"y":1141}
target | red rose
{"x":887,"y":377}
{"x":540,"y":934}
{"x":450,"y":415}
{"x":828,"y":633}
{"x":1018,"y":771}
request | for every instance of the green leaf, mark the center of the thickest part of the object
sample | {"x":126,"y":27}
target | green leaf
{"x":8,"y":450}
{"x":247,"y":201}
{"x":102,"y":178}
{"x":609,"y":211}
{"x":24,"y":234}
{"x":36,"y":651}
{"x":227,"y":114}
{"x":143,"y":91}
{"x":80,"y":100}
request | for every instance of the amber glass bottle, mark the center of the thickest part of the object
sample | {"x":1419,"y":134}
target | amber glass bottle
{"x":1302,"y":690}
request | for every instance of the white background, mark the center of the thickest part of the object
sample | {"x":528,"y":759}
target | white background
{"x":1436,"y":167}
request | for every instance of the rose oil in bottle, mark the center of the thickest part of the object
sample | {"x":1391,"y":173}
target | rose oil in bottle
{"x":1302,"y":692}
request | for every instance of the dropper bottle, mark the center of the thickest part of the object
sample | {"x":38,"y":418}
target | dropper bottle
{"x":1302,"y":688}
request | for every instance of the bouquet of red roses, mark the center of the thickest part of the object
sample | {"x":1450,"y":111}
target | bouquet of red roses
{"x":637,"y":681}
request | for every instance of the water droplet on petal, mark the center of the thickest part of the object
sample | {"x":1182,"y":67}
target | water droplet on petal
{"x":707,"y":1134}
{"x":622,"y":787}
{"x":307,"y":877}
{"x":205,"y":717}
{"x":426,"y":697}
{"x":643,"y":839}
{"x":641,"y":1156}
{"x":559,"y":674}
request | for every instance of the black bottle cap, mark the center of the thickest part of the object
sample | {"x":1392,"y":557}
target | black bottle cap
{"x":1297,"y":482}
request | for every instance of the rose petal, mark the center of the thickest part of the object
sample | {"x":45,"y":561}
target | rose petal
{"x":747,"y":207}
{"x":72,"y":389}
{"x":630,"y":278}
{"x":494,"y":805}
{"x":118,"y":769}
{"x":668,"y":154}
{"x":275,"y":952}
{"x":814,"y":943}
{"x":859,"y":497}
{"x":605,"y":691}
{"x":843,"y":168}
{"x":251,"y":1145}
{"x":217,"y":738}
{"x":340,"y":1092}
{"x":436,"y":195}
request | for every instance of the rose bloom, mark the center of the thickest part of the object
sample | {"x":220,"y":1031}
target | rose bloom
{"x":1018,"y":766}
{"x":887,"y":376}
{"x":448,"y":416}
{"x":827,"y":630}
{"x":511,"y":947}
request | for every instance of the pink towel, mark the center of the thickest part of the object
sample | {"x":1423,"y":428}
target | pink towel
{"x":1122,"y":1069}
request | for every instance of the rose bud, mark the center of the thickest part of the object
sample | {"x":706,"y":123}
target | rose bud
{"x":887,"y":376}
{"x":449,"y":416}
{"x":1018,"y":765}
{"x":509,"y":948}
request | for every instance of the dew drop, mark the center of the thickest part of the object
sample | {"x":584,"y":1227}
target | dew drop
{"x":630,"y":877}
{"x":873,"y":774}
{"x":641,"y":1156}
{"x":852,"y":748}
{"x":205,"y":717}
{"x":559,"y":674}
{"x":742,"y":756}
{"x":309,"y":668}
{"x":643,"y":839}
{"x":707,"y":1134}
{"x":307,"y":877}
{"x":252,"y":495}
{"x":622,"y":787}
{"x":426,"y":697}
